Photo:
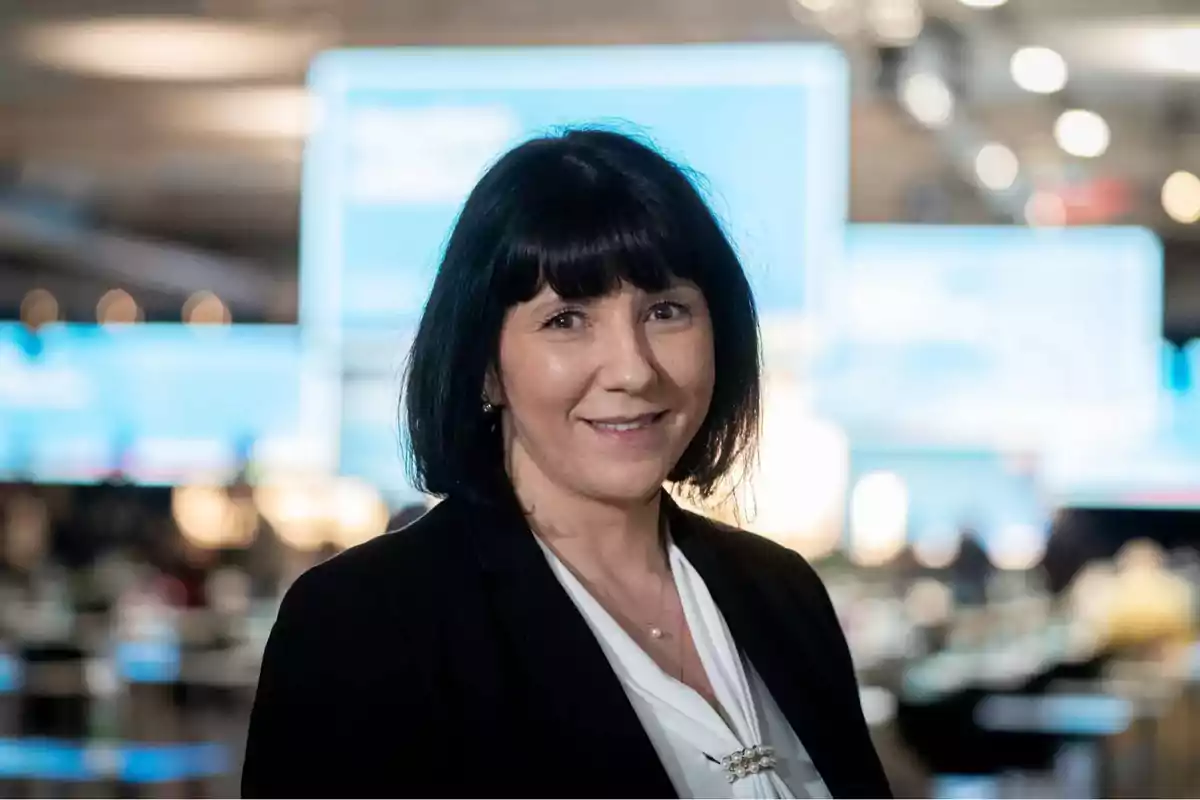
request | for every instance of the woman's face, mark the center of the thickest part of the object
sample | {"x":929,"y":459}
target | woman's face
{"x":601,"y":397}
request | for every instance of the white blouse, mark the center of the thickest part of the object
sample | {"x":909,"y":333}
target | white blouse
{"x":690,"y":737}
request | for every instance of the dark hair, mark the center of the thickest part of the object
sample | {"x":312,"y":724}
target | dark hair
{"x":583,"y":212}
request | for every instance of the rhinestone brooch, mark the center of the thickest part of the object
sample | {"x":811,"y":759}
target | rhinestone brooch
{"x":750,"y":761}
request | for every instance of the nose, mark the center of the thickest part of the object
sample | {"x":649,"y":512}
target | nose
{"x":627,"y":360}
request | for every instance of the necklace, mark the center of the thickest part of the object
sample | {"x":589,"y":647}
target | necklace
{"x":680,"y":635}
{"x":656,"y":629}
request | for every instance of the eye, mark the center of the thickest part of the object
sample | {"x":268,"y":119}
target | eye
{"x":567,"y":320}
{"x":669,"y":310}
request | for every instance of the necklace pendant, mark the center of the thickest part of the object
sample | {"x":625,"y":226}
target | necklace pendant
{"x":656,"y":633}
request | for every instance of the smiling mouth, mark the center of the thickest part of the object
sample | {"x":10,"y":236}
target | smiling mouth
{"x":624,"y":424}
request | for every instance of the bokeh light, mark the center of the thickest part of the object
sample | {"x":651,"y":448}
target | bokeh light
{"x":167,"y":48}
{"x":1039,"y":70}
{"x":205,"y":308}
{"x":1181,"y":197}
{"x":38,"y":308}
{"x":1017,"y":547}
{"x":1082,"y":133}
{"x":996,"y":167}
{"x":878,"y":518}
{"x":928,"y":99}
{"x":117,"y":307}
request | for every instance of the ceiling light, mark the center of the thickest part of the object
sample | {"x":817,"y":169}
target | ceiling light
{"x":838,"y":17}
{"x":1039,"y":70}
{"x":39,"y":308}
{"x":1164,"y":46}
{"x":1181,"y":197}
{"x":168,"y":48}
{"x":896,"y":22}
{"x":1082,"y":133}
{"x":928,"y":99}
{"x":258,"y":113}
{"x":117,"y":307}
{"x":996,"y":167}
{"x":205,"y":308}
{"x":983,"y":3}
{"x":1175,"y":51}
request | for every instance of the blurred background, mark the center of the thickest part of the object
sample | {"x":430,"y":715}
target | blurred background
{"x":971,"y":226}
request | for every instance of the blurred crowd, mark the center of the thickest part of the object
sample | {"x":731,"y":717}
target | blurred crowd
{"x":129,"y":651}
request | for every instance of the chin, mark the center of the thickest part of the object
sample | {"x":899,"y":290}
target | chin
{"x":622,"y":488}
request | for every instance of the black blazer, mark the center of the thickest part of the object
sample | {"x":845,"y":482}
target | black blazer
{"x":445,"y":659}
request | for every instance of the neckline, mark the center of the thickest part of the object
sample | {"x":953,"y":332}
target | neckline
{"x":635,"y":664}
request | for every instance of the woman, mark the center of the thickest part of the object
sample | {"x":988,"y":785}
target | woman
{"x":558,"y":627}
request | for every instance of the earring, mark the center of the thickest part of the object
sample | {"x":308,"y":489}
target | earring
{"x":487,"y":406}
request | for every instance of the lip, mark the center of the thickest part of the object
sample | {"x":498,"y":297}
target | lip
{"x":648,"y":417}
{"x":626,"y":425}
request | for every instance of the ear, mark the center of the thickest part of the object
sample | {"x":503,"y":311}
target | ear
{"x":493,"y":388}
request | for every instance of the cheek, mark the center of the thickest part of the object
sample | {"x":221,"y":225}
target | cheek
{"x":539,"y":378}
{"x":689,"y":366}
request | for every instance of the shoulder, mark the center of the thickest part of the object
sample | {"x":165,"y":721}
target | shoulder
{"x":387,"y":572}
{"x":753,"y":550}
{"x":778,"y":570}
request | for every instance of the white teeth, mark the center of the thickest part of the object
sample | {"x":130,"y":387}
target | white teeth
{"x":620,"y":426}
{"x":627,"y":426}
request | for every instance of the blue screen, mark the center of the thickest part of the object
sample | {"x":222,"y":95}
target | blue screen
{"x":1158,"y":470}
{"x":79,"y":401}
{"x":1044,"y":343}
{"x":979,"y":334}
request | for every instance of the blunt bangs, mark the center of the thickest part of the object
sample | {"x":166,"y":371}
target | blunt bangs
{"x":584,"y":230}
{"x":582,"y":212}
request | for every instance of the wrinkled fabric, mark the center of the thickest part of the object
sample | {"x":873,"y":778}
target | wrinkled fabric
{"x":689,"y":735}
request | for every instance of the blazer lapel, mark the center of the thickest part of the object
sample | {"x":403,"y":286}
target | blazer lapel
{"x":772,"y":633}
{"x":596,"y":740}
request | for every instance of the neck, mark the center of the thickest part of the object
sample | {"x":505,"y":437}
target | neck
{"x":592,"y":535}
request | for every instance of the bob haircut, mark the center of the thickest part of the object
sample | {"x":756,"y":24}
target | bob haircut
{"x":583,"y":211}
